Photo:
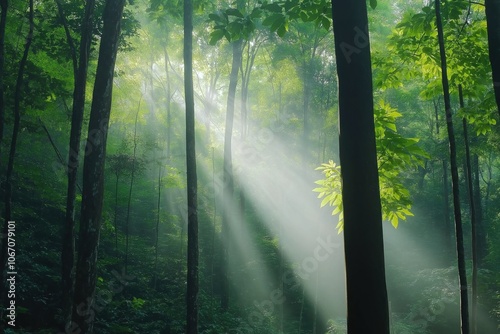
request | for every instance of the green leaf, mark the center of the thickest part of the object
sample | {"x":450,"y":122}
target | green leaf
{"x":373,"y":4}
{"x":234,"y":12}
{"x":216,"y":36}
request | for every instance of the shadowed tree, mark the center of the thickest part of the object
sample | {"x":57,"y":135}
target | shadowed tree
{"x":80,"y":85}
{"x":464,"y":312}
{"x":192,"y":254}
{"x":93,"y":172}
{"x":492,"y":8}
{"x":367,"y":306}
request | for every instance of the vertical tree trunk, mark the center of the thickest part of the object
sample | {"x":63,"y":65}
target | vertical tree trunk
{"x":367,"y":305}
{"x":492,"y":9}
{"x":93,"y":172}
{"x":464,"y":308}
{"x":4,"y":5}
{"x":228,"y":190}
{"x":10,"y":163}
{"x":192,"y":255}
{"x":115,"y":218}
{"x":481,"y":235}
{"x":132,"y":178}
{"x":473,"y":216}
{"x":157,"y":234}
{"x":80,"y":85}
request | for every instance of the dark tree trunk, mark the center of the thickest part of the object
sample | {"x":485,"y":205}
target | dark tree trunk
{"x":10,"y":163}
{"x":115,"y":218}
{"x":228,"y":190}
{"x":132,"y":178}
{"x":192,"y":189}
{"x":367,"y":305}
{"x":93,"y":172}
{"x":473,"y":216}
{"x":493,"y":22}
{"x":481,"y":235}
{"x":464,"y":311}
{"x":157,"y":231}
{"x":80,"y":77}
{"x":4,"y":5}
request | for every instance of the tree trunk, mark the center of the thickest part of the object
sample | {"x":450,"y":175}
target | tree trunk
{"x":157,"y":234}
{"x":481,"y":235}
{"x":464,"y":311}
{"x":68,"y":240}
{"x":93,"y":171}
{"x":192,"y":189}
{"x":228,"y":190}
{"x":473,"y":216}
{"x":367,"y":305}
{"x":492,"y":9}
{"x":4,"y":5}
{"x":132,"y":178}
{"x":10,"y":163}
{"x":115,"y":218}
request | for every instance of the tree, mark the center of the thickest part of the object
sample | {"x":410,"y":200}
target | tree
{"x":464,"y":306}
{"x":4,"y":5}
{"x":492,"y":9}
{"x":12,"y":154}
{"x":192,"y":204}
{"x":80,"y":85}
{"x":367,"y":305}
{"x":93,"y":171}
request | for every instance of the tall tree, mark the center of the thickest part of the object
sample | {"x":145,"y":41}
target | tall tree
{"x":192,"y":188}
{"x":492,"y":8}
{"x":4,"y":5}
{"x":80,"y":85}
{"x":12,"y":154}
{"x":367,"y":305}
{"x":464,"y":308}
{"x":93,"y":171}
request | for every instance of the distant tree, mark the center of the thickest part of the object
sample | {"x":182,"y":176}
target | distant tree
{"x":464,"y":306}
{"x":192,"y":189}
{"x":367,"y":305}
{"x":93,"y":172}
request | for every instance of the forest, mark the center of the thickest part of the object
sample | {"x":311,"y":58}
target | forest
{"x":250,"y":166}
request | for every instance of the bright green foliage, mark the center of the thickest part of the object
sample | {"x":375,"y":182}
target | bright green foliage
{"x":395,"y":154}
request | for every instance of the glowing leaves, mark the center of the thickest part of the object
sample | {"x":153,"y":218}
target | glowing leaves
{"x":395,"y":154}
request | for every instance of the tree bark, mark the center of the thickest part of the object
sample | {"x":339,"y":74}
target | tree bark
{"x":192,"y":189}
{"x":93,"y":172}
{"x":473,"y":216}
{"x":464,"y":308}
{"x":228,"y":190}
{"x":80,"y":85}
{"x":10,"y":163}
{"x":492,"y":9}
{"x":367,"y":305}
{"x":4,"y":5}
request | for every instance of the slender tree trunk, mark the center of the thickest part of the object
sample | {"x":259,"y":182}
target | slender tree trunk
{"x":473,"y":215}
{"x":115,"y":220}
{"x":367,"y":305}
{"x":464,"y":308}
{"x":132,"y":178}
{"x":192,"y":189}
{"x":492,"y":9}
{"x":80,"y":85}
{"x":169,"y":104}
{"x":10,"y":163}
{"x":481,"y":235}
{"x":158,"y":208}
{"x":228,"y":190}
{"x":93,"y":172}
{"x":4,"y":5}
